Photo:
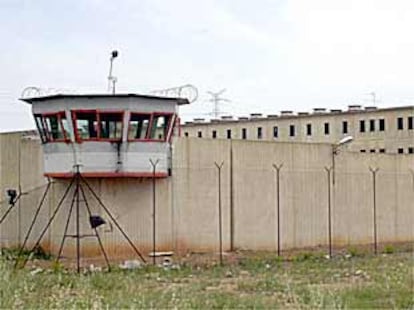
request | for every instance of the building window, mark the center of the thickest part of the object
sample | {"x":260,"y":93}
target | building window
{"x":361,"y":126}
{"x":244,"y":133}
{"x":362,"y":151}
{"x":292,"y":130}
{"x":199,"y":134}
{"x":382,"y":150}
{"x":411,"y":150}
{"x":326,"y":128}
{"x":382,"y":124}
{"x":142,"y":126}
{"x":275,"y":131}
{"x":185,"y":134}
{"x":372,"y":151}
{"x":400,"y":123}
{"x":40,"y":127}
{"x":111,"y":125}
{"x":159,"y":127}
{"x":228,"y":133}
{"x":400,"y":150}
{"x":344,"y":127}
{"x":53,"y":127}
{"x":259,"y":133}
{"x":86,"y":125}
{"x":372,"y":125}
{"x":309,"y":129}
{"x":214,"y":134}
{"x":410,"y":123}
{"x":138,"y":126}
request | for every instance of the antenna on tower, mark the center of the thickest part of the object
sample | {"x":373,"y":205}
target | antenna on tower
{"x":112,"y":79}
{"x":216,"y":99}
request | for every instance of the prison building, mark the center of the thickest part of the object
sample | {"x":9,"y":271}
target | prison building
{"x":106,"y":135}
{"x":375,"y":130}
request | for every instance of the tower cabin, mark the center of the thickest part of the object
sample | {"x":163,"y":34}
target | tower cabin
{"x":105,"y":135}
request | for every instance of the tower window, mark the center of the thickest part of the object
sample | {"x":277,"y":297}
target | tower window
{"x":53,"y":127}
{"x":159,"y":127}
{"x":144,"y":126}
{"x":410,"y":123}
{"x":228,"y":133}
{"x":214,"y":134}
{"x":111,"y":125}
{"x":138,"y":126}
{"x":400,"y":150}
{"x":86,"y":125}
{"x":199,"y":134}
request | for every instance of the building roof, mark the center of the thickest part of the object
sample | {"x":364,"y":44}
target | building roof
{"x":256,"y":117}
{"x":179,"y":101}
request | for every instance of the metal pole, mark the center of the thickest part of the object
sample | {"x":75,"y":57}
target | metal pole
{"x":65,"y":232}
{"x":12,"y":205}
{"x":231,"y":199}
{"x":374,"y":193}
{"x":77,"y":222}
{"x":334,"y":153}
{"x":328,"y":171}
{"x":110,"y":74}
{"x":39,"y":207}
{"x":113,"y":85}
{"x":19,"y":213}
{"x":49,"y":222}
{"x":277,"y":168}
{"x":219,"y":166}
{"x":154,"y":167}
{"x":6,"y":213}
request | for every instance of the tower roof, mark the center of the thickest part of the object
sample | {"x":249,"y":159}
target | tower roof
{"x":179,"y":101}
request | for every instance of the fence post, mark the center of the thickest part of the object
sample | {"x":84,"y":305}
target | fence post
{"x":154,"y":167}
{"x":277,"y":169}
{"x":374,"y":205}
{"x":328,"y":173}
{"x":219,"y":166}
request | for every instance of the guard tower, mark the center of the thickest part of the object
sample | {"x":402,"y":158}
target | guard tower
{"x":106,"y":135}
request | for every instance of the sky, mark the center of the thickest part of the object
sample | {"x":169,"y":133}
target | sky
{"x":268,"y":55}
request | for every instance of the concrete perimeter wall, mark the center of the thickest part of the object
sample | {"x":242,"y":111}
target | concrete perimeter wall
{"x":187,"y":212}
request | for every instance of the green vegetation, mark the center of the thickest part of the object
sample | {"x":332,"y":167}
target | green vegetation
{"x":389,"y":249}
{"x":251,"y":280}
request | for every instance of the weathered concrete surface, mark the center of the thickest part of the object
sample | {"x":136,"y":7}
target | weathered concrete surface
{"x":195,"y":191}
{"x":21,"y":167}
{"x":187,"y":203}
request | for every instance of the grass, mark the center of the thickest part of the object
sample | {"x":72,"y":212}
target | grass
{"x":252,"y":281}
